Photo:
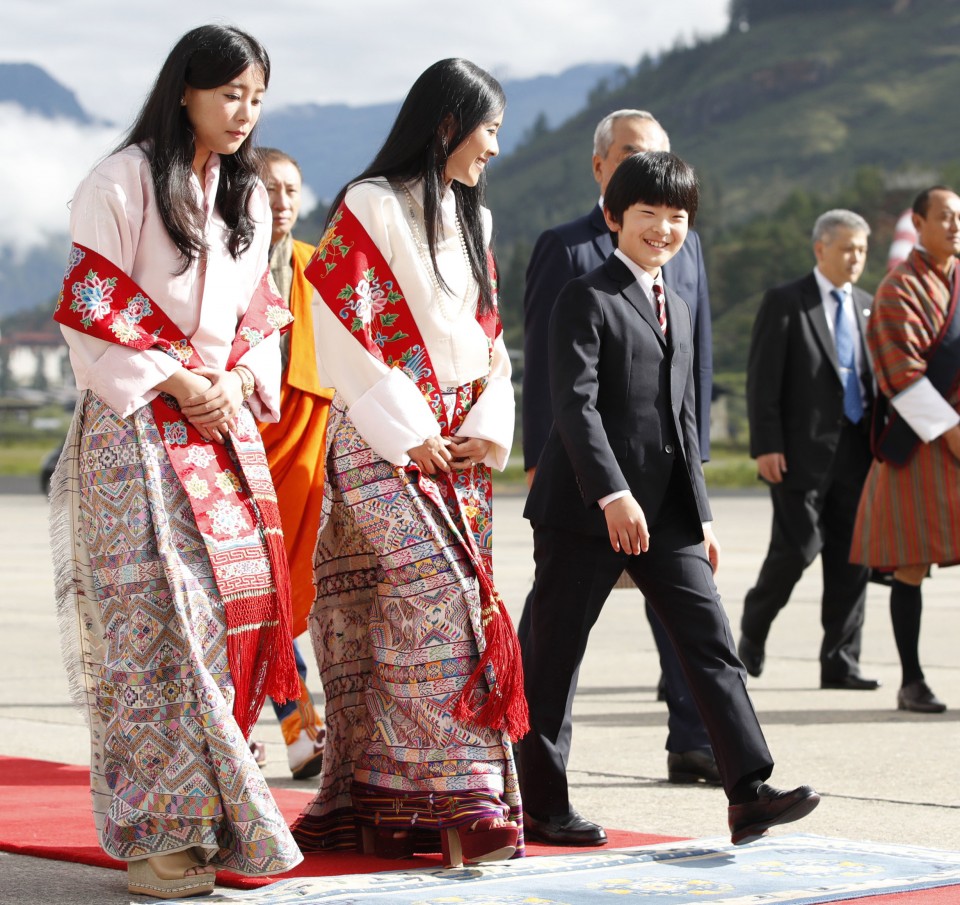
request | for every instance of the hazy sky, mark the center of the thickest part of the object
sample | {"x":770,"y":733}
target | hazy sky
{"x":353,"y":51}
{"x":356,"y":51}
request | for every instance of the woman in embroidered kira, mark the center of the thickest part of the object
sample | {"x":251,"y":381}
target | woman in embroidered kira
{"x":419,"y":661}
{"x":173,"y":598}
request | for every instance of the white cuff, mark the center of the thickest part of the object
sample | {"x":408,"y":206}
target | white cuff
{"x":126,"y":378}
{"x":925,"y":410}
{"x":491,"y":418}
{"x":392,"y":416}
{"x":605,"y":501}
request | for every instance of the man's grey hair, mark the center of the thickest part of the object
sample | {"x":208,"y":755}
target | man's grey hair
{"x":603,"y":134}
{"x":827,"y":224}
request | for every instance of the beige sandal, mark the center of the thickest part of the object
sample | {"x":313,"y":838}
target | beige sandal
{"x":173,"y":876}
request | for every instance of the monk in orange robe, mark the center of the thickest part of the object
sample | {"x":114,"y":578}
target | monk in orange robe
{"x":295,"y":444}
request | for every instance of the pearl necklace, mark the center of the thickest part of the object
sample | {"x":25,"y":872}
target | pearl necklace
{"x":439,"y":293}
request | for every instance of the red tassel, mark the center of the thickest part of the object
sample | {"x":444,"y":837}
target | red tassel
{"x":245,"y":638}
{"x":282,"y":679}
{"x":506,"y":704}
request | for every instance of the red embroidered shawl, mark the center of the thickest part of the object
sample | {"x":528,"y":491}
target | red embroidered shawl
{"x":228,"y":486}
{"x":356,"y":283}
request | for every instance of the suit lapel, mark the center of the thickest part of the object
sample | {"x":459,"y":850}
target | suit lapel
{"x":812,"y":304}
{"x":861,"y":306}
{"x":678,"y":335}
{"x":631,"y":291}
{"x":602,"y":241}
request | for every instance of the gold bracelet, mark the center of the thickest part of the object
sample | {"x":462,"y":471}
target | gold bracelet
{"x":247,"y":383}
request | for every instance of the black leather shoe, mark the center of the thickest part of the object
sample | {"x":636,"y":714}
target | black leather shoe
{"x":692,"y":766}
{"x":851,"y":683}
{"x":570,"y":829}
{"x":751,"y":655}
{"x":918,"y":697}
{"x":750,"y":821}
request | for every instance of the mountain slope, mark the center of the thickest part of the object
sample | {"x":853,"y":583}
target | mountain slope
{"x":31,"y":88}
{"x":333,"y":142}
{"x":799,"y":98}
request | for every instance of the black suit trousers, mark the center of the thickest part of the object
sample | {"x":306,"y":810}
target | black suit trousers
{"x":685,"y":729}
{"x":574,"y":576}
{"x":811,"y":522}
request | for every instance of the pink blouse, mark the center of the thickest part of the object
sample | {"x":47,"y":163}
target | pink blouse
{"x":114,"y":212}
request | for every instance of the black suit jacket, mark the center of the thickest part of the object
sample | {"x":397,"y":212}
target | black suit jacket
{"x":794,"y":393}
{"x":572,"y":250}
{"x":623,"y":405}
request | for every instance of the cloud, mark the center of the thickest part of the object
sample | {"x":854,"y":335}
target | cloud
{"x":41,"y":163}
{"x":321,"y":52}
{"x":341,"y":52}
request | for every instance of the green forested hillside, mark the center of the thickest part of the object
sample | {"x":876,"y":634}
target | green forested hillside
{"x":800,"y":106}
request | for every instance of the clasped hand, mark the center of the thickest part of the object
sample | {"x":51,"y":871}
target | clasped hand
{"x":209,"y":399}
{"x":445,"y":453}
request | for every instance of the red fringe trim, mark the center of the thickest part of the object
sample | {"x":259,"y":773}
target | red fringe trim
{"x":282,"y":679}
{"x":506,"y":704}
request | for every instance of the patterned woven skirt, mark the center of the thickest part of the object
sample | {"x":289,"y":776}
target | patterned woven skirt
{"x":144,"y":641}
{"x":396,"y":629}
{"x":910,"y":514}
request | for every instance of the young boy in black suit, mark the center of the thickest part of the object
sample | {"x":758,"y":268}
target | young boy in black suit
{"x":620,"y":486}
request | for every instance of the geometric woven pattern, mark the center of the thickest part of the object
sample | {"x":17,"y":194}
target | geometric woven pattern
{"x":396,"y":636}
{"x":169,"y":765}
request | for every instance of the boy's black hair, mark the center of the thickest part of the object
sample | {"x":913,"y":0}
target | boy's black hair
{"x":653,"y":177}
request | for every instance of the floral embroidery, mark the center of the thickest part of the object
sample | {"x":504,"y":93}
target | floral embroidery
{"x":278,"y":317}
{"x":228,"y":482}
{"x":331,"y":245}
{"x":175,"y":433}
{"x":137,"y":308}
{"x":92,"y":297}
{"x":199,"y":457}
{"x":122,"y":329}
{"x":197,"y":487}
{"x":75,"y":257}
{"x":252,"y":336}
{"x":227,"y":518}
{"x":372,"y":298}
{"x":181,"y":350}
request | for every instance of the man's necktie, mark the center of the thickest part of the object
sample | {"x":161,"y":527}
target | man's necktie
{"x":843,"y":335}
{"x":661,"y":305}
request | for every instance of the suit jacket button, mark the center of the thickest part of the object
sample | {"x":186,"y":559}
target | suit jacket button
{"x":668,"y":449}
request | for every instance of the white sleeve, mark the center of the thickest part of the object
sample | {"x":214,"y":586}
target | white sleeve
{"x":107,"y":216}
{"x":263,"y":360}
{"x":492,"y":415}
{"x":384,"y":404}
{"x":925,"y":410}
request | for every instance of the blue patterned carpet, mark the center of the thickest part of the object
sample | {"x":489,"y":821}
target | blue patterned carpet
{"x":786,"y":870}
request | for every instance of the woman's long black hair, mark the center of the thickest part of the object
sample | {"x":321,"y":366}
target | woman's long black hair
{"x":445,"y":105}
{"x":206,"y":57}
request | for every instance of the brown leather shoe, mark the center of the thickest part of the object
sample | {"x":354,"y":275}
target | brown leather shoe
{"x":748,"y":822}
{"x":919,"y":698}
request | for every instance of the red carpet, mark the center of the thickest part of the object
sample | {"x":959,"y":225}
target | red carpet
{"x":46,"y":813}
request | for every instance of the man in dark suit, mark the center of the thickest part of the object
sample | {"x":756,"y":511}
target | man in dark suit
{"x":620,"y":486}
{"x":809,"y":393}
{"x":572,"y":250}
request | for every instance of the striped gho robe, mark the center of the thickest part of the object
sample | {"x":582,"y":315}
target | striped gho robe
{"x":910,"y":514}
